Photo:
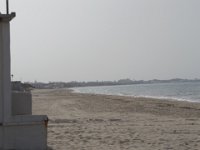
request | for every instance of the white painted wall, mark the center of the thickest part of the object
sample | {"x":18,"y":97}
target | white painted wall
{"x":1,"y":75}
{"x":5,"y":84}
{"x":30,"y":136}
{"x":21,"y":103}
{"x":19,"y":130}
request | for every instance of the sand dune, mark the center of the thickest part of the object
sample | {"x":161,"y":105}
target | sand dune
{"x":100,"y":122}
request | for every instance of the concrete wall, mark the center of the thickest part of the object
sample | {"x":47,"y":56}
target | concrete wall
{"x":5,"y":84}
{"x":1,"y":75}
{"x":18,"y":128}
{"x":24,"y":137}
{"x":1,"y":136}
{"x":21,"y":103}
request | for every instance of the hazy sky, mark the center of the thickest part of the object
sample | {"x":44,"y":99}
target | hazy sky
{"x":88,"y":40}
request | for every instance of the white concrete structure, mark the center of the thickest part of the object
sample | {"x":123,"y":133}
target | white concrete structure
{"x":19,"y":129}
{"x":21,"y":103}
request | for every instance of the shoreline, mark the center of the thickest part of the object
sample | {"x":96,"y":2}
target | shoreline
{"x":145,"y":97}
{"x":93,"y":122}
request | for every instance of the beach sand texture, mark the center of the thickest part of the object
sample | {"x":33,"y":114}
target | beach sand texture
{"x":101,"y":122}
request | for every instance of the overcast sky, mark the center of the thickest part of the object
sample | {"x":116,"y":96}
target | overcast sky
{"x":87,"y":40}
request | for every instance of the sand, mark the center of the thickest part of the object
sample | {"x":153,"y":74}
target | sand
{"x":100,"y":122}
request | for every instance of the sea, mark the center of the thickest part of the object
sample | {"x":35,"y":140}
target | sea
{"x":181,"y":91}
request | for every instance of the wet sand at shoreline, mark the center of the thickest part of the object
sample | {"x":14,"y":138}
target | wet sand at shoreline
{"x":101,"y":122}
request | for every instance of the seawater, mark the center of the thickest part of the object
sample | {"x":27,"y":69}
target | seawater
{"x":185,"y":91}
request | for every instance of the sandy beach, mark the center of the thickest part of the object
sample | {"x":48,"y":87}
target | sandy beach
{"x":101,"y":122}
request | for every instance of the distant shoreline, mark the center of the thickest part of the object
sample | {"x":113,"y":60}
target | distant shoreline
{"x":53,"y":85}
{"x":73,"y":90}
{"x":182,"y":91}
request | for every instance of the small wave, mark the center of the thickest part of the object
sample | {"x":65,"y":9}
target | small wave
{"x":165,"y":98}
{"x":75,"y":90}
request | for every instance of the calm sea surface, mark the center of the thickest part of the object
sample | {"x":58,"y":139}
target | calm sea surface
{"x":188,"y":91}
